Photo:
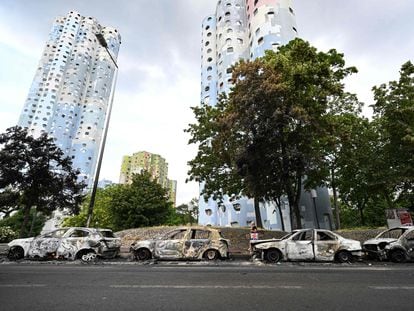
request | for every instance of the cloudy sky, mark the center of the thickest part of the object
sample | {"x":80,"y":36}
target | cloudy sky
{"x":159,"y":61}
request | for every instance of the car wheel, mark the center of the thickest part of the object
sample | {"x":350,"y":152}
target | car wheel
{"x":273,"y":255}
{"x":211,"y":254}
{"x":142,"y":254}
{"x":343,"y":256}
{"x":88,"y":256}
{"x":397,"y":256}
{"x":15,"y":253}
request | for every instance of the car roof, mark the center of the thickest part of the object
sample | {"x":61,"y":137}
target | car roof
{"x":401,"y":227}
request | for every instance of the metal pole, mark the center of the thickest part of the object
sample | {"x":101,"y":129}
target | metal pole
{"x":314,"y":195}
{"x":103,"y":43}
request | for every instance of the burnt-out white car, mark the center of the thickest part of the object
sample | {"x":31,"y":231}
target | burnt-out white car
{"x":190,"y":243}
{"x":67,"y":243}
{"x":308,"y":245}
{"x":396,"y":244}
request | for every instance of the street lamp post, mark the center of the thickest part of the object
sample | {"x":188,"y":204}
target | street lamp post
{"x":104,"y":44}
{"x":314,"y":196}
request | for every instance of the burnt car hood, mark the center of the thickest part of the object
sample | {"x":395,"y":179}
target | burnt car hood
{"x":256,"y":242}
{"x":146,"y":243}
{"x":20,"y":241}
{"x":381,"y":240}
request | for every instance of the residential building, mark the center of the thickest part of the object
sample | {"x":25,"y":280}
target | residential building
{"x":70,"y":93}
{"x":245,"y":29}
{"x":154,"y":164}
{"x":103,"y":183}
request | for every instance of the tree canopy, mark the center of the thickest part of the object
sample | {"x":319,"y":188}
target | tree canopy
{"x":267,"y":135}
{"x":35,"y":173}
{"x":394,"y":111}
{"x":142,"y":203}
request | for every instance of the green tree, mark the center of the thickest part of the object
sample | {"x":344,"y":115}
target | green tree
{"x":266,"y":136}
{"x":36,"y":221}
{"x":188,"y":213}
{"x":102,"y":216}
{"x":343,"y":129}
{"x":142,"y":203}
{"x":357,"y":164}
{"x":394,"y":110}
{"x":35,"y":173}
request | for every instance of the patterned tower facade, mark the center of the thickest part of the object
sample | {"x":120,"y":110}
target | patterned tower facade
{"x":70,"y":93}
{"x":156,"y":165}
{"x":245,"y":29}
{"x":240,"y":29}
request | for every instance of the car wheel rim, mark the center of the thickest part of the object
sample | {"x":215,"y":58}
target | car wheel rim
{"x":211,"y":255}
{"x":398,"y":256}
{"x":343,"y":257}
{"x":15,"y":254}
{"x":273,"y":256}
{"x":89,"y":257}
{"x":143,"y":254}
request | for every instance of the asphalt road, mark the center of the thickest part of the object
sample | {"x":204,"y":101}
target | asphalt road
{"x":164,"y":286}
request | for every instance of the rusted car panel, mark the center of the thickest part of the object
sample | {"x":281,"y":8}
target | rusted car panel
{"x":308,"y":244}
{"x":183,"y":243}
{"x":396,"y":244}
{"x":67,"y":243}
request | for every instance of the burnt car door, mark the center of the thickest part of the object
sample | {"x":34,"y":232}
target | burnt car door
{"x":408,"y":243}
{"x":300,"y":246}
{"x":171,"y":246}
{"x":74,"y":240}
{"x":46,"y":245}
{"x":325,"y":245}
{"x":111,"y":242}
{"x":197,"y":242}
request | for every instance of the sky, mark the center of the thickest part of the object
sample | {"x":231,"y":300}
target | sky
{"x":159,"y":63}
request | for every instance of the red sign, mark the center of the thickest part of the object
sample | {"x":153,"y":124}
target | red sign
{"x":405,"y":218}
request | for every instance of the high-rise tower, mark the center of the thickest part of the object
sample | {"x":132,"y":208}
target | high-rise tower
{"x":154,"y":164}
{"x":240,"y":29}
{"x":70,"y":92}
{"x":245,"y":29}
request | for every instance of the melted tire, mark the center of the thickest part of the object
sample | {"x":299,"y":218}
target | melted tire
{"x":397,"y":256}
{"x":15,"y":253}
{"x":142,"y":254}
{"x":344,"y":256}
{"x":273,"y":255}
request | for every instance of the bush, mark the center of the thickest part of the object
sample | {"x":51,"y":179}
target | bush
{"x":7,"y":234}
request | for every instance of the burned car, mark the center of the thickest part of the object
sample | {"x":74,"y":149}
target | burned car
{"x":396,"y":244}
{"x":183,"y":243}
{"x":67,"y":243}
{"x":308,"y":244}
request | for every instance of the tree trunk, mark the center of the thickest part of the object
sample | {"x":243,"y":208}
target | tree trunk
{"x":26,"y":213}
{"x":279,"y":209}
{"x":335,"y":201}
{"x":33,"y":222}
{"x":388,"y":200}
{"x":297,"y":195}
{"x":257,"y":212}
{"x":361,"y":214}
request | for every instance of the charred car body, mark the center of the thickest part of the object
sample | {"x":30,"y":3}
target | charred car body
{"x":396,"y":244}
{"x":67,"y":243}
{"x":308,"y":245}
{"x":183,"y":243}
